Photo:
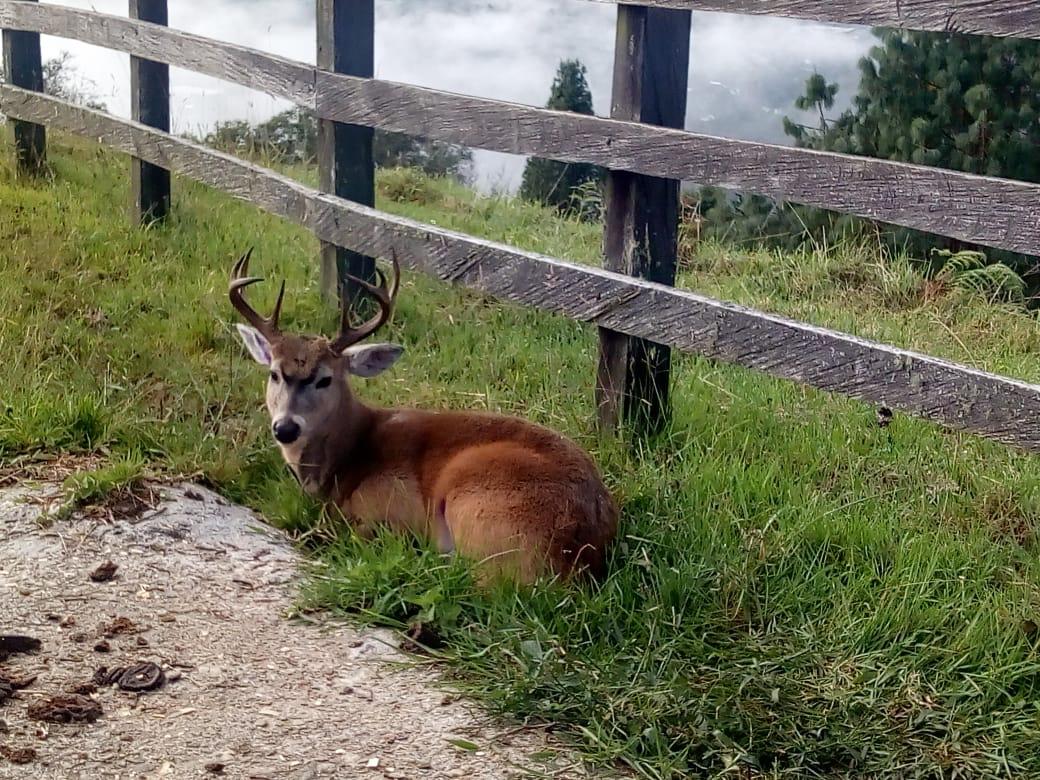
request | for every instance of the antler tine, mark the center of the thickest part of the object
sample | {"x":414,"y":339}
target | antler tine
{"x":268,"y":326}
{"x":278,"y":307}
{"x":383,"y":293}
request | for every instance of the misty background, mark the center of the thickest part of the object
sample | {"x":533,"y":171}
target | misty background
{"x":745,"y":72}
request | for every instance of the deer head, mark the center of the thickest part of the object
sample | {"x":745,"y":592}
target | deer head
{"x":307,"y":385}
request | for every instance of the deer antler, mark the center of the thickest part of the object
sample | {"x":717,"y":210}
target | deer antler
{"x":384,"y":297}
{"x":268,"y":326}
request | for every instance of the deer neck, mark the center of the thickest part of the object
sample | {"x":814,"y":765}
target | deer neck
{"x":323,"y":465}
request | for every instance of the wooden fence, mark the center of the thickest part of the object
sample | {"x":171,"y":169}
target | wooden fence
{"x":640,"y":314}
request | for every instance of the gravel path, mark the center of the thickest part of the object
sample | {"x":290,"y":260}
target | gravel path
{"x":250,"y":694}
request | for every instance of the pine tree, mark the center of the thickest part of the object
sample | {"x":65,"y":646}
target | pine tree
{"x":552,"y":182}
{"x":818,"y":96}
{"x":962,"y":102}
{"x":965,"y":103}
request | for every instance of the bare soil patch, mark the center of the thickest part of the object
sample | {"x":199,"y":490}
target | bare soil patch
{"x":203,"y":673}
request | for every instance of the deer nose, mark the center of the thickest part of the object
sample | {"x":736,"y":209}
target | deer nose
{"x":286,"y":431}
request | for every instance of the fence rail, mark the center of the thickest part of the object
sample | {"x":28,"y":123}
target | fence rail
{"x":958,"y":205}
{"x":954,"y":395}
{"x":992,"y":211}
{"x":1005,"y":18}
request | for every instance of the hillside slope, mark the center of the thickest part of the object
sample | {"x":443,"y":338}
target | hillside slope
{"x":797,"y":590}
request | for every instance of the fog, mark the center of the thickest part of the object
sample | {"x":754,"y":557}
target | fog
{"x":745,"y":72}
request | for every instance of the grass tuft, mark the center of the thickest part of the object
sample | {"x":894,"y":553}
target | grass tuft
{"x":117,"y":483}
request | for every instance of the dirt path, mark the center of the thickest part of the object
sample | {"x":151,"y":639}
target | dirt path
{"x":207,"y":588}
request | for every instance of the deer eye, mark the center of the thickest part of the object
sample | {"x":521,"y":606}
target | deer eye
{"x":274,"y":377}
{"x":324,"y":382}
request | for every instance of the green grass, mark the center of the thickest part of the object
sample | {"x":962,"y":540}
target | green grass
{"x":81,"y":488}
{"x":796,"y":591}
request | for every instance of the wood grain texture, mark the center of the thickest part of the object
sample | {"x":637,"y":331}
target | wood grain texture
{"x":346,"y":44}
{"x":268,"y":73}
{"x":651,"y":67}
{"x":149,"y":105}
{"x":23,"y":66}
{"x":1005,"y":18}
{"x":994,"y":212}
{"x":956,"y":396}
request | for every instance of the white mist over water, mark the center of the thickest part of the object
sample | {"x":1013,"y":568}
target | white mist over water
{"x":744,"y":76}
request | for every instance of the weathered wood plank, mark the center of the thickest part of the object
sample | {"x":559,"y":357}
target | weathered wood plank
{"x":23,"y":67}
{"x":346,"y":44}
{"x":150,"y":105}
{"x":956,"y":396}
{"x":1004,"y":18}
{"x":991,"y":211}
{"x":251,"y":68}
{"x":651,"y":67}
{"x":984,"y":210}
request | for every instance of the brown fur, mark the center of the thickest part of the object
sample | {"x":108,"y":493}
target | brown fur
{"x":520,"y":499}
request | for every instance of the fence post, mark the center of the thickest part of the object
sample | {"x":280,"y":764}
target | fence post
{"x":23,"y":67}
{"x":150,"y":105}
{"x":346,"y":44}
{"x":651,"y":69}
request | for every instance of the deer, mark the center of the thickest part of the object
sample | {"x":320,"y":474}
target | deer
{"x":518,"y":499}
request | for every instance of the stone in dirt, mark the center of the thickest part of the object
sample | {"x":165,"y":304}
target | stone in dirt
{"x":9,"y":684}
{"x":144,"y":676}
{"x":10,"y":644}
{"x":17,"y":682}
{"x":65,"y":708}
{"x":104,"y":572}
{"x":25,"y":755}
{"x":121,"y":625}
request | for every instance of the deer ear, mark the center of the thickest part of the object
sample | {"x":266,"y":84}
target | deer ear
{"x":258,"y":346}
{"x":371,"y":359}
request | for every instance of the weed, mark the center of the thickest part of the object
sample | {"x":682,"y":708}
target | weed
{"x":116,"y":488}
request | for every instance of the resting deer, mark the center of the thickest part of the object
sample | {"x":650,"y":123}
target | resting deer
{"x":519,"y":498}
